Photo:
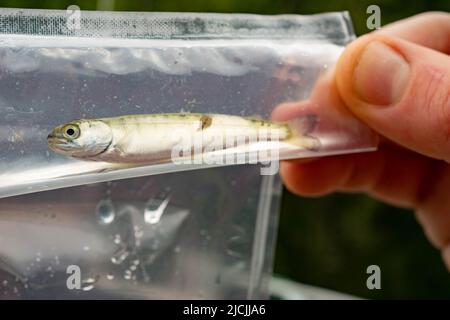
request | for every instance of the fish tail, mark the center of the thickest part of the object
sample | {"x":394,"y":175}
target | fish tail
{"x":302,"y":129}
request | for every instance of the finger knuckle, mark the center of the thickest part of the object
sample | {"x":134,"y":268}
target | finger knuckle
{"x":435,"y":96}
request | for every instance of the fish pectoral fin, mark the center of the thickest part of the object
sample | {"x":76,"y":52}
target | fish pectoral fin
{"x":118,"y":150}
{"x":123,"y":141}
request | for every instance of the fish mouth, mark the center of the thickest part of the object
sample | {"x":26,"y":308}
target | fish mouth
{"x":52,"y":138}
{"x":57,"y":144}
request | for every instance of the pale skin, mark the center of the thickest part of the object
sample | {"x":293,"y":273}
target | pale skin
{"x":397,"y":81}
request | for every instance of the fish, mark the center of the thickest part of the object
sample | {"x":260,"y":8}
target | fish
{"x":152,"y":138}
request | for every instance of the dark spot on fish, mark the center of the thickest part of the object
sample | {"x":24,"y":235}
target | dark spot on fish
{"x":260,"y":122}
{"x":205,"y":122}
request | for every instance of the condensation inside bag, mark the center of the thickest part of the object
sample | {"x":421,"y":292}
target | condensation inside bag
{"x":198,"y":234}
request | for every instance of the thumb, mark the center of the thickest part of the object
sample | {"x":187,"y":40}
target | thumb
{"x":401,"y":90}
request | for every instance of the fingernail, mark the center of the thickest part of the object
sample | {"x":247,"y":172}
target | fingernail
{"x":381,"y":74}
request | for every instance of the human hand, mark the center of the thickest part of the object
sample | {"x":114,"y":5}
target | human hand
{"x":397,"y":81}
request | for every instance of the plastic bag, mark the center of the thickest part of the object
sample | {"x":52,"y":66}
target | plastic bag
{"x":193,"y":234}
{"x":132,"y":63}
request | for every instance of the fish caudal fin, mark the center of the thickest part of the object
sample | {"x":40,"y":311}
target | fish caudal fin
{"x":302,"y":129}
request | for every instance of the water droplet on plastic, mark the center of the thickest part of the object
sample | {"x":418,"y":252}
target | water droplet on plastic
{"x":86,"y":248}
{"x":105,"y":212}
{"x":120,"y":256}
{"x":88,"y":284}
{"x":117,"y":239}
{"x":154,"y":209}
{"x":5,"y":283}
{"x":237,"y":246}
{"x":127,"y":275}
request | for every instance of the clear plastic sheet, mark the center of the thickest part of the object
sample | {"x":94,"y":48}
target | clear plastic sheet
{"x":243,"y":65}
{"x":198,"y":234}
{"x":174,"y":236}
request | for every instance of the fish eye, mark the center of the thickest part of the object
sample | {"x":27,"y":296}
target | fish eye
{"x":71,"y":131}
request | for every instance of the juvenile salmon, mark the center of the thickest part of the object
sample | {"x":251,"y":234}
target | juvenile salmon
{"x":153,"y":137}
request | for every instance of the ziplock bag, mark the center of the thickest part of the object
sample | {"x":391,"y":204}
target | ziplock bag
{"x":197,"y":234}
{"x":54,"y":71}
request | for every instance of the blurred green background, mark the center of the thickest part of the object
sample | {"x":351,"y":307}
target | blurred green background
{"x":329,"y":241}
